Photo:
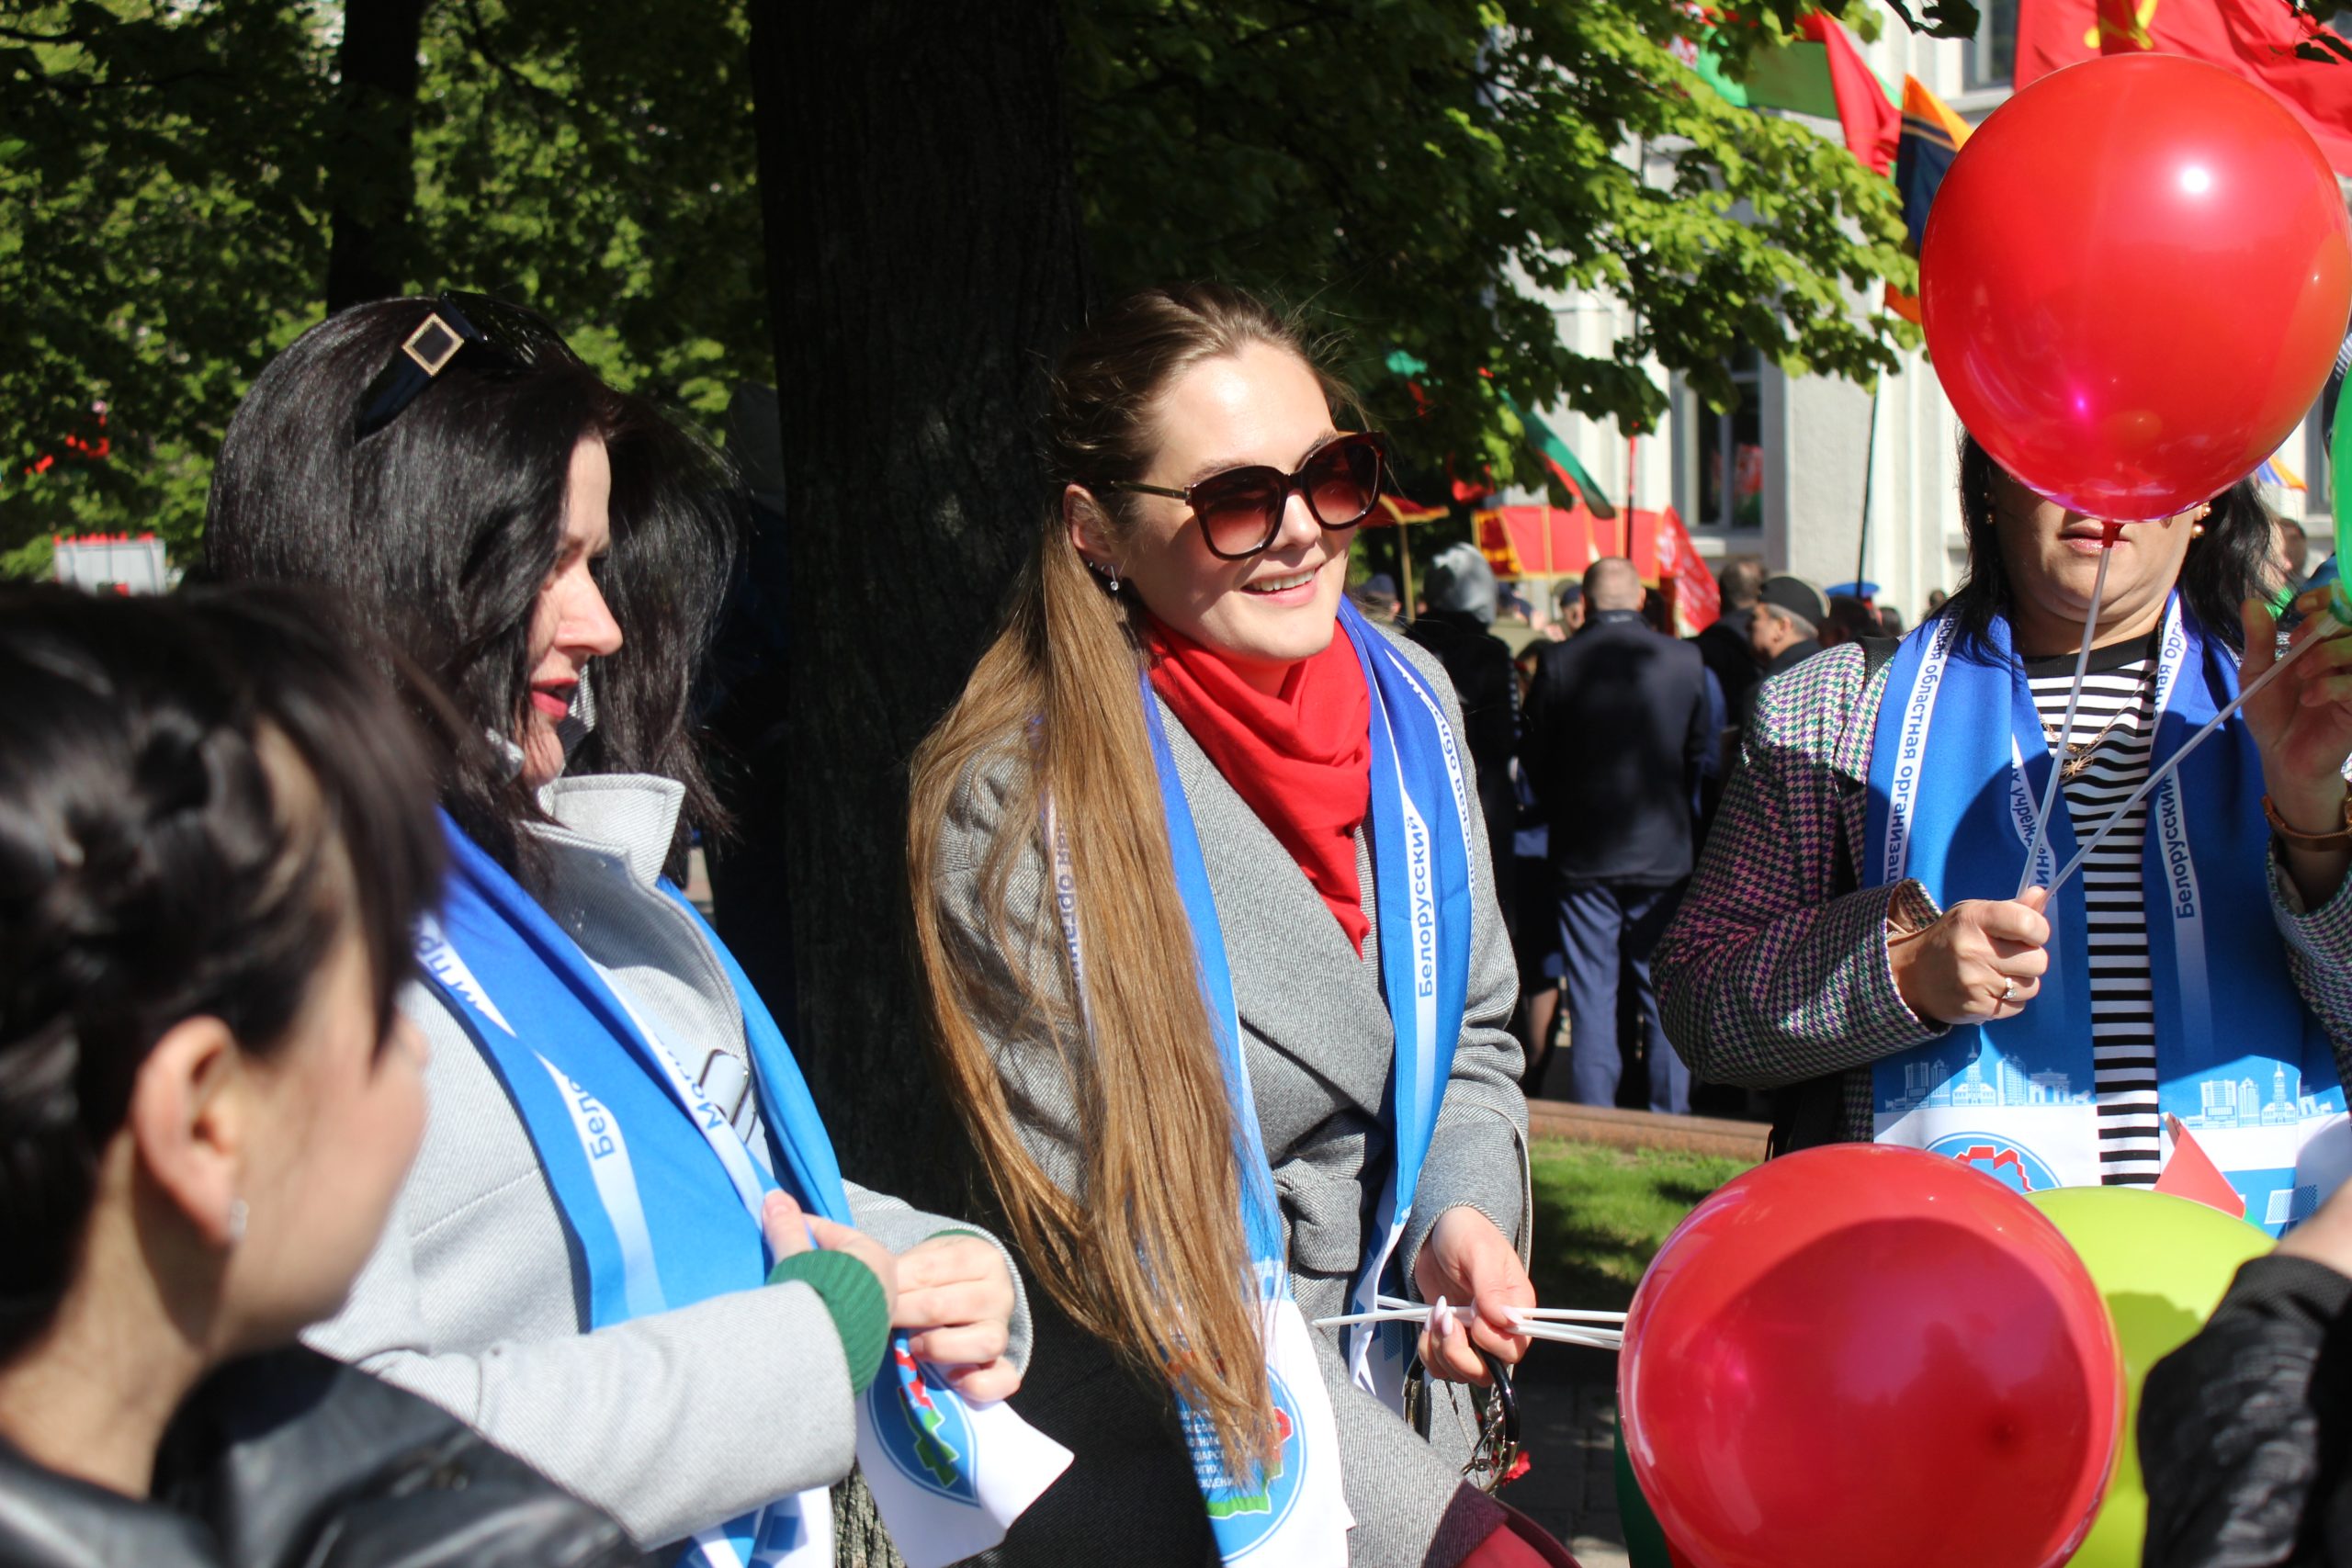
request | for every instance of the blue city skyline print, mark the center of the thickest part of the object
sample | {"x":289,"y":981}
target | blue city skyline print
{"x":1990,"y":1081}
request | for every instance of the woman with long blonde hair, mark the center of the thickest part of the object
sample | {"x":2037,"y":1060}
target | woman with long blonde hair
{"x":1207,"y":915}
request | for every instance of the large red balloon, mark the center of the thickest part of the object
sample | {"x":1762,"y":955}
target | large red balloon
{"x":1865,"y":1355}
{"x":2133,"y":278}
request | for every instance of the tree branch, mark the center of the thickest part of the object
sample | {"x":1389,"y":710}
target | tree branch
{"x":478,"y":39}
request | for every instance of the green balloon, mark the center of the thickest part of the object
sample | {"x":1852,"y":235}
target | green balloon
{"x":1645,"y":1538}
{"x":2162,"y":1263}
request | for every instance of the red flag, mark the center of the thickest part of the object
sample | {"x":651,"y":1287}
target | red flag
{"x":2120,"y":27}
{"x":2191,"y":1174}
{"x":1698,"y":603}
{"x":1872,"y":124}
{"x":2256,"y":38}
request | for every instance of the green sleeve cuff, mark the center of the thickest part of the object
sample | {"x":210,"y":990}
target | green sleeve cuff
{"x":854,"y":1296}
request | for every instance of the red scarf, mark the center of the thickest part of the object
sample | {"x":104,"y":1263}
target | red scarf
{"x":1301,"y":759}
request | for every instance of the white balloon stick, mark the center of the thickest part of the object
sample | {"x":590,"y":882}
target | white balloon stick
{"x":2318,"y":636}
{"x":2073,"y":698}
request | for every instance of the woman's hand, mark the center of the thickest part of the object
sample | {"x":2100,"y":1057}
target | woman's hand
{"x":1468,"y":1263}
{"x":2301,"y":725}
{"x":789,"y":1231}
{"x":1982,"y":960}
{"x":957,"y":1292}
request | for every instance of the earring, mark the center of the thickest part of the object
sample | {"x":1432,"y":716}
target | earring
{"x":2197,"y":530}
{"x":510,"y":756}
{"x":238,"y":1215}
{"x":1110,"y":575}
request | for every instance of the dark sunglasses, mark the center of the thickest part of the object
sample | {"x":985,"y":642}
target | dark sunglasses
{"x":472,"y":330}
{"x":1240,"y":510}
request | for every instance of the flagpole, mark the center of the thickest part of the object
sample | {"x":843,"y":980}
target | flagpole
{"x":1870,"y":461}
{"x":1631,"y":486}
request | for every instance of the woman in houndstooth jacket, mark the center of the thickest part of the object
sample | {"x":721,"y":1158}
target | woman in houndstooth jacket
{"x":1852,"y":939}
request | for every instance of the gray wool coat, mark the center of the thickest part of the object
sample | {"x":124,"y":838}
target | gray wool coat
{"x":672,"y":1423}
{"x":1319,"y":1047}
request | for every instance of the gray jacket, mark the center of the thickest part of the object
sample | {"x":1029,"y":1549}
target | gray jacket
{"x":1319,"y":1046}
{"x":672,"y":1423}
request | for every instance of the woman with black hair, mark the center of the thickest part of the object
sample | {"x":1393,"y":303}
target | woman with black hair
{"x":1855,"y":937}
{"x":620,"y":1145}
{"x":215,"y":832}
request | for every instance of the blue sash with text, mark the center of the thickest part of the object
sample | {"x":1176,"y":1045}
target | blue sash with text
{"x":1959,"y":760}
{"x":1419,"y":827}
{"x":662,"y":1195}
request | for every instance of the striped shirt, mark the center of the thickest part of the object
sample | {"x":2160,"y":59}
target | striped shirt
{"x":2114,"y":728}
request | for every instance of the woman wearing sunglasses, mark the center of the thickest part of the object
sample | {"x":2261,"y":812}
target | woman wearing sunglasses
{"x":601,"y":1259}
{"x":1204,"y":905}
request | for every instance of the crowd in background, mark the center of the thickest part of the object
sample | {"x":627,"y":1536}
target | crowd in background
{"x":1602,"y":743}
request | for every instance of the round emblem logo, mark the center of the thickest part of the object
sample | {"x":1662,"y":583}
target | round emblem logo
{"x":1246,"y":1516}
{"x":922,"y":1426}
{"x":2005,"y":1160}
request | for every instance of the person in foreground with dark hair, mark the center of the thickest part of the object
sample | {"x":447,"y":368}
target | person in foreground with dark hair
{"x":1854,"y":938}
{"x":215,"y":831}
{"x":600,"y":1261}
{"x":2245,"y":1431}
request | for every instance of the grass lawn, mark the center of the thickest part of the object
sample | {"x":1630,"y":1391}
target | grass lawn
{"x":1602,"y":1214}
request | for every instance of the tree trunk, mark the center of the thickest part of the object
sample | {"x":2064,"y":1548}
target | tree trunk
{"x":371,"y":172}
{"x":924,"y":258}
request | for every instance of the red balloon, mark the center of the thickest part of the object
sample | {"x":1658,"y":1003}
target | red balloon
{"x":1870,"y":1355}
{"x":2133,"y":279}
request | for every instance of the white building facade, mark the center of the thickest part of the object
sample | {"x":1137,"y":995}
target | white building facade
{"x":1782,"y":476}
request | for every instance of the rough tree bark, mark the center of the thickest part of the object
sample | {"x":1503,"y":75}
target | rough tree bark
{"x":371,"y":172}
{"x":924,"y":257}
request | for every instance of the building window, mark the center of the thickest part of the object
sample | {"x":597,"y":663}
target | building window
{"x":1731,"y":451}
{"x":1993,"y":52}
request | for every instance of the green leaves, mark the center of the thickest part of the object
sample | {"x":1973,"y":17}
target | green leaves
{"x":1435,"y":176}
{"x":1440,"y":178}
{"x":155,"y":245}
{"x":163,"y":186}
{"x":1939,"y":19}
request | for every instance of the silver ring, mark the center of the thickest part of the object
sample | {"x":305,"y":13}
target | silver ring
{"x":2009,"y":990}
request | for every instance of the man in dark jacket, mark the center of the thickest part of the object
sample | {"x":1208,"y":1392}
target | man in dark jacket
{"x":1618,"y":735}
{"x":1724,"y":643}
{"x":1457,"y":608}
{"x":1784,"y":631}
